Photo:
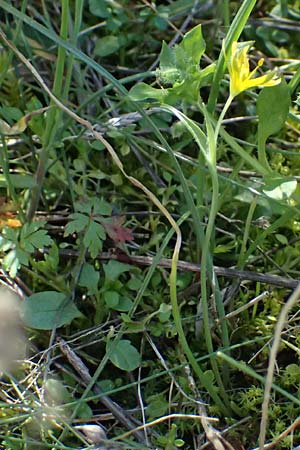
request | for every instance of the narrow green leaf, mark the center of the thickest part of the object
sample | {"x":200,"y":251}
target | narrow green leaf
{"x":233,"y":34}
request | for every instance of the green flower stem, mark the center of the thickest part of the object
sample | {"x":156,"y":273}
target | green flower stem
{"x":173,"y":280}
{"x":203,"y":280}
{"x":207,"y":271}
{"x":174,"y":303}
{"x":201,"y":140}
{"x":234,"y":32}
{"x":221,"y":117}
{"x":206,"y":382}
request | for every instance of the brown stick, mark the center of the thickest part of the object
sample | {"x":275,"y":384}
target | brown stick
{"x":275,"y":280}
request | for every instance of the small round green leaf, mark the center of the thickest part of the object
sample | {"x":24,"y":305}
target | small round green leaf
{"x":111,"y":299}
{"x":123,"y":355}
{"x":89,"y":278}
{"x":107,"y":45}
{"x":113,"y":269}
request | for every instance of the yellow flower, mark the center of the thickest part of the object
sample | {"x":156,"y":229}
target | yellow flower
{"x":239,"y":71}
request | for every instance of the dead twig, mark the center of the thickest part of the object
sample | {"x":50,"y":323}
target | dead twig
{"x":274,"y":280}
{"x":285,"y":433}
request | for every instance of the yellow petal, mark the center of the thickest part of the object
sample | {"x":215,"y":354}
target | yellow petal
{"x":239,"y":70}
{"x":266,"y":80}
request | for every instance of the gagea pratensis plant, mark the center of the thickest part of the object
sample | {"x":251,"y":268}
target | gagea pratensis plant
{"x":181,"y":79}
{"x":241,"y":78}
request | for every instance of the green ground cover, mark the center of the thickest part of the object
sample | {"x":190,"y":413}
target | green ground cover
{"x":149,"y":224}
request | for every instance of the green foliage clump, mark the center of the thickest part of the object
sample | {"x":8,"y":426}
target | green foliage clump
{"x":153,"y":153}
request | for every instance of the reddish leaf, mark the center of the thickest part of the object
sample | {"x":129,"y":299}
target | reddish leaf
{"x":116,"y":231}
